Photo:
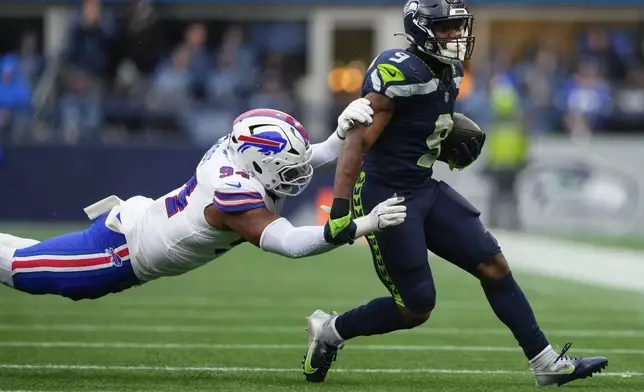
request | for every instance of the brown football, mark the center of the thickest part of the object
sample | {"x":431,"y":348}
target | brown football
{"x":464,"y":129}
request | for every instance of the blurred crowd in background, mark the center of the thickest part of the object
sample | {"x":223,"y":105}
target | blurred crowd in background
{"x":598,"y":87}
{"x":131,"y":76}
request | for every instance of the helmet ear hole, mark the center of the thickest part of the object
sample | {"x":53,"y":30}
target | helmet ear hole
{"x":257,"y":167}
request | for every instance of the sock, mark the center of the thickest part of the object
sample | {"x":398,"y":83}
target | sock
{"x":16,"y":242}
{"x":6,"y":258}
{"x":544,"y":358}
{"x":512,"y":307}
{"x":376,"y":317}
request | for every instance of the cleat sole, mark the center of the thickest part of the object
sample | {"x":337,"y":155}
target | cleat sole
{"x":587,"y":374}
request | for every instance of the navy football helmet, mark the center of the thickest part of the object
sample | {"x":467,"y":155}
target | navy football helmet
{"x":440,"y":28}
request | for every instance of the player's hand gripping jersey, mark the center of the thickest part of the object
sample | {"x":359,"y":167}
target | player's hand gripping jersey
{"x":235,"y":195}
{"x":243,"y":171}
{"x":424,"y":103}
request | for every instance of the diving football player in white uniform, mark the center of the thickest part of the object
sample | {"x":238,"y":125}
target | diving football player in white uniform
{"x":234,"y":196}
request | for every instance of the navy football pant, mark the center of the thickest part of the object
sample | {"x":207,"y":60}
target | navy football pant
{"x":439,"y":219}
{"x":84,"y":265}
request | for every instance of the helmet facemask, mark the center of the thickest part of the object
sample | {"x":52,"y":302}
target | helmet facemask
{"x":450,"y":39}
{"x":292,"y":179}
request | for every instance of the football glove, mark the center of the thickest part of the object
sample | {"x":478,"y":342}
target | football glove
{"x":390,"y":212}
{"x":358,"y":111}
{"x":466,"y":153}
{"x":340,"y":229}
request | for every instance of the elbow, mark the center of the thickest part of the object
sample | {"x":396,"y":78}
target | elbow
{"x":276,"y":239}
{"x":295,"y":256}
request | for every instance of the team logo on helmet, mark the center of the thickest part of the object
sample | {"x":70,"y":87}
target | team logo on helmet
{"x":269,"y":142}
{"x":114,"y":257}
{"x":411,"y":7}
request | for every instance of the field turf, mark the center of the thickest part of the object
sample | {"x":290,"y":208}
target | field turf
{"x":238,"y":325}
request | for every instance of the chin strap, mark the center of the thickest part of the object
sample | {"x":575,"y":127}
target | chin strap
{"x":408,"y":37}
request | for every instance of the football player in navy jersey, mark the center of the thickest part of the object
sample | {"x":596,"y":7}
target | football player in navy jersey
{"x":412,"y":92}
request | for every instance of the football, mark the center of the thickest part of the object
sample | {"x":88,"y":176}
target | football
{"x":464,"y":129}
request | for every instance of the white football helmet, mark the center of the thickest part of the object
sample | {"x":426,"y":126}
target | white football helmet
{"x":274,"y":148}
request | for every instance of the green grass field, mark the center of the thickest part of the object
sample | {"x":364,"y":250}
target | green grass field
{"x":238,"y":325}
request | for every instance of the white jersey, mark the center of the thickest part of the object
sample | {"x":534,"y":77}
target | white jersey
{"x":170,"y":236}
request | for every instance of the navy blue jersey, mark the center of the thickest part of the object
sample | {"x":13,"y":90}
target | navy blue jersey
{"x":404,"y":154}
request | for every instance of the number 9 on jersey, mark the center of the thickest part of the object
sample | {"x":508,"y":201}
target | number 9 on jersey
{"x":442,"y":128}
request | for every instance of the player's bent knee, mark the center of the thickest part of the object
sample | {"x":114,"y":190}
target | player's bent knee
{"x":420,"y":301}
{"x":414,"y":318}
{"x":493,"y":268}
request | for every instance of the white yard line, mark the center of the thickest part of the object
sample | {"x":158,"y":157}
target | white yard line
{"x":282,"y":370}
{"x":272,"y":329}
{"x":597,"y":265}
{"x":260,"y":347}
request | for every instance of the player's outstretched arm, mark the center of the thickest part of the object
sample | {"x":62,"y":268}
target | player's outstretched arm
{"x":358,"y":142}
{"x":271,"y":233}
{"x":358,"y":112}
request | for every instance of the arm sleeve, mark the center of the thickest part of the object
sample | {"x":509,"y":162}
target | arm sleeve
{"x":327,"y":151}
{"x":282,"y":238}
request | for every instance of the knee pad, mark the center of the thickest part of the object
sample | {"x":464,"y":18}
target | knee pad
{"x":422,"y":298}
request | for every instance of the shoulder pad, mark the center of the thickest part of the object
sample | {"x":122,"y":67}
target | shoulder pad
{"x":238,"y":193}
{"x":398,"y":73}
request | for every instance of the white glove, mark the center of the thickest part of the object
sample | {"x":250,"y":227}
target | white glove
{"x":390,"y":212}
{"x":358,"y":111}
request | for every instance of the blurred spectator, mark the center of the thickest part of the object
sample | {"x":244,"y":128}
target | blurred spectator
{"x":585,"y":100}
{"x":539,"y":80}
{"x":612,"y":52}
{"x":272,"y":95}
{"x":507,"y":154}
{"x":473,"y":99}
{"x":31,"y":62}
{"x":170,"y":90}
{"x":129,"y":82}
{"x":274,"y":67}
{"x":232,"y":45}
{"x":144,"y":40}
{"x":195,"y":43}
{"x":90,"y":34}
{"x":223,"y":86}
{"x":80,"y":111}
{"x":125,"y":106}
{"x":91,"y":30}
{"x":15,"y":98}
